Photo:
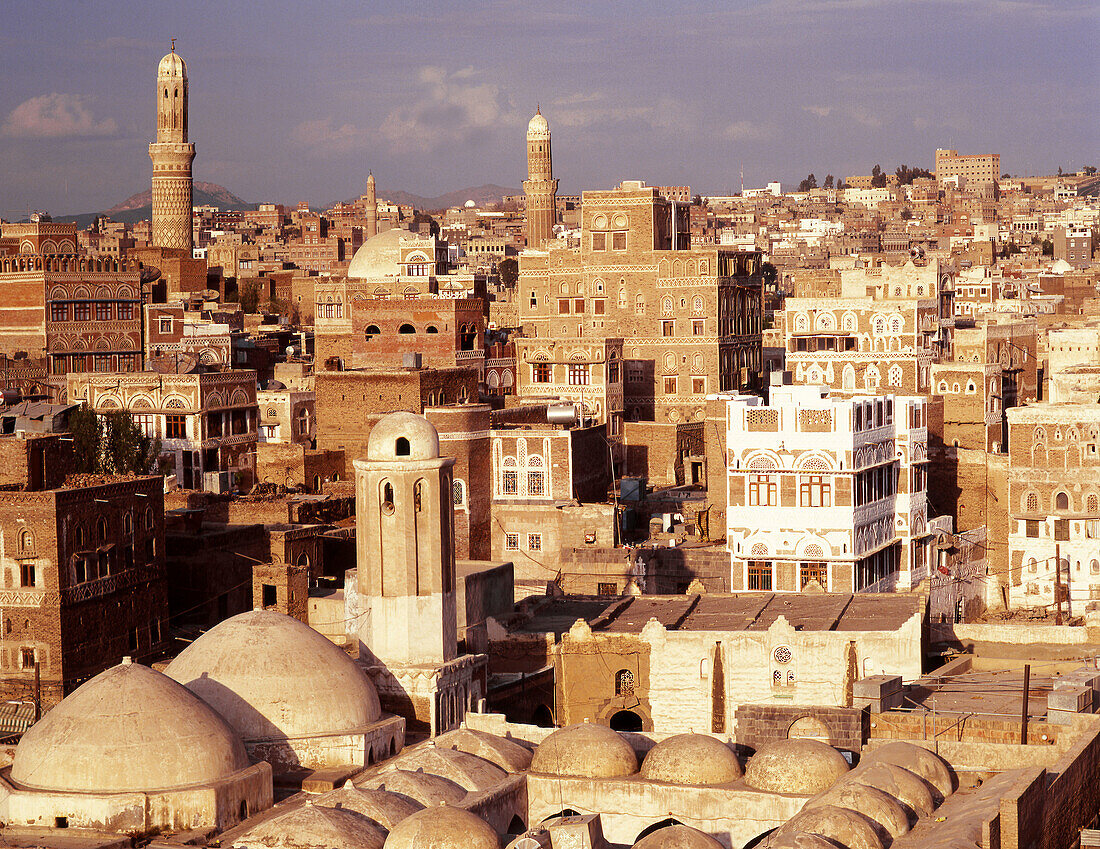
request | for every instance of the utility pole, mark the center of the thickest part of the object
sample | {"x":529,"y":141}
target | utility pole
{"x":1057,"y":584}
{"x":37,"y":691}
{"x":1023,"y":713}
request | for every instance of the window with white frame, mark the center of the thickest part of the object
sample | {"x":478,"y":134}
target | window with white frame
{"x":534,"y":542}
{"x":511,"y":542}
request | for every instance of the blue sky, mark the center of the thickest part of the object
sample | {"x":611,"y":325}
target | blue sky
{"x":296,"y":101}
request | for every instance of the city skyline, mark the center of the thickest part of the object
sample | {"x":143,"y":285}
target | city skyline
{"x":435,"y":101}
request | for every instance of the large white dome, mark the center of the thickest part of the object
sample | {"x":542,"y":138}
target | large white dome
{"x":172,"y":66}
{"x":129,"y":729}
{"x":272,"y":676}
{"x":538,"y":127}
{"x":379,"y":256}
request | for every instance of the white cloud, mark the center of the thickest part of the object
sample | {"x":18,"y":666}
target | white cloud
{"x":747,"y":131}
{"x":55,"y":116}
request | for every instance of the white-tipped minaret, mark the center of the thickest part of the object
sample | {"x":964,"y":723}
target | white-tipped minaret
{"x":540,"y":187}
{"x":172,"y":155}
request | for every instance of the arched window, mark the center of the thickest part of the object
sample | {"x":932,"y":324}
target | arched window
{"x":458,"y":493}
{"x":401,"y":447}
{"x":624,"y":683}
{"x":666,"y":306}
{"x":1061,"y":501}
{"x":406,"y":328}
{"x":101,"y":531}
{"x":387,"y":498}
{"x":1092,"y":505}
{"x":26,"y":541}
{"x":372,"y":330}
{"x":1032,"y":505}
{"x":895,"y":375}
{"x":431,"y":328}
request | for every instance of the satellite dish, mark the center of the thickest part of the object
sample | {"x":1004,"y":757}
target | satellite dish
{"x":175,"y":362}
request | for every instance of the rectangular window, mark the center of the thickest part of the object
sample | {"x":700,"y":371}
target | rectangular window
{"x":510,"y":482}
{"x":599,"y":241}
{"x":670,"y":386}
{"x":540,"y":373}
{"x":1032,"y":528}
{"x":102,"y":362}
{"x":563,"y":306}
{"x":270,"y":595}
{"x":607,"y":589}
{"x":814,"y":491}
{"x":668,"y":328}
{"x":635,"y":372}
{"x":697,"y":327}
{"x":578,"y":306}
{"x":1061,"y":530}
{"x":147,"y":424}
{"x":618,"y":241}
{"x":102,"y":311}
{"x":534,"y":542}
{"x":26,"y":657}
{"x":536,"y":483}
{"x":26,"y":573}
{"x":82,"y":311}
{"x":175,"y":426}
{"x":699,"y":386}
{"x":511,"y":542}
{"x":578,"y":374}
{"x":760,"y":575}
{"x":125,"y":312}
{"x":59,"y":312}
{"x":598,"y":306}
{"x":165,"y":325}
{"x":763,"y":491}
{"x":813,"y":572}
{"x":126,"y":362}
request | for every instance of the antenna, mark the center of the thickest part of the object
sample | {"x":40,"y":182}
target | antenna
{"x":173,"y":45}
{"x":742,"y":178}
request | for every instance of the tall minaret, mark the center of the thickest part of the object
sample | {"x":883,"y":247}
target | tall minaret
{"x":372,"y":207}
{"x":540,"y":187}
{"x":172,"y":155}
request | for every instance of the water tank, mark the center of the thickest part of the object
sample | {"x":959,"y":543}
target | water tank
{"x":563,"y":414}
{"x":412,"y":359}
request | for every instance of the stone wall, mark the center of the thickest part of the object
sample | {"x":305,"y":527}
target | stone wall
{"x":757,"y":725}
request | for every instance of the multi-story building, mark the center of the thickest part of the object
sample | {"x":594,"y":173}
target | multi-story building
{"x":690,"y":318}
{"x":206,"y":422}
{"x":1074,"y":244}
{"x":175,"y":332}
{"x":1054,"y":506}
{"x":974,"y":168}
{"x":587,"y":373}
{"x":286,"y":416}
{"x":825,"y":490}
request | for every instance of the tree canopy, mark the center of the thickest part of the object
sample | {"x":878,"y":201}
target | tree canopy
{"x":111,"y":443}
{"x":809,"y":183}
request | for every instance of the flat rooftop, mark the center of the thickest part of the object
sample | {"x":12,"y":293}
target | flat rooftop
{"x":732,"y":612}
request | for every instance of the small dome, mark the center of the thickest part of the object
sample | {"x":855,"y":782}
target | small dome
{"x":798,"y":840}
{"x":422,"y":787}
{"x":538,"y":128}
{"x":586,"y":750}
{"x":467,"y":771}
{"x":380,"y":806}
{"x":912,"y":791}
{"x":918,"y":760}
{"x":443,"y":827}
{"x":315,"y":827}
{"x":128,"y":729}
{"x":378,"y":256}
{"x":470,"y":204}
{"x":691,"y":759}
{"x":507,"y":754}
{"x":272,"y":676}
{"x":403,"y":436}
{"x":677,"y":837}
{"x":884,"y":811}
{"x":845,"y":827}
{"x":172,"y":66}
{"x":801,"y":766}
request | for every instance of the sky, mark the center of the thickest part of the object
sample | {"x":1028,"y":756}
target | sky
{"x":297,"y":101}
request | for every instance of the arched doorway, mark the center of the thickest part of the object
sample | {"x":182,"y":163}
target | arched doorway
{"x":542,"y":717}
{"x":516,"y":826}
{"x":657,"y":826}
{"x":626,"y":720}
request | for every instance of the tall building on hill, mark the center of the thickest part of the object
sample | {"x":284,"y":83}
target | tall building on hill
{"x":540,"y":187}
{"x":172,"y":155}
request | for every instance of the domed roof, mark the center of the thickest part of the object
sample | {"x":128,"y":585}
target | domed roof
{"x":422,"y":787}
{"x":130,"y":728}
{"x":884,"y":811}
{"x":538,"y":128}
{"x":270,"y":675}
{"x":912,"y":791}
{"x":378,"y":256}
{"x":421,"y":440}
{"x":586,"y":750}
{"x":315,"y":827}
{"x":677,"y":837}
{"x":468,"y":771}
{"x":845,"y":827}
{"x":507,"y":754}
{"x":385,"y":808}
{"x":172,"y":66}
{"x":443,"y":827}
{"x":691,"y":759}
{"x":918,"y":760}
{"x":801,"y":766}
{"x":799,"y":840}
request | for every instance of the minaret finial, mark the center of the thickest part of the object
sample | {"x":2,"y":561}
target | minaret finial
{"x":173,"y":45}
{"x":538,"y":109}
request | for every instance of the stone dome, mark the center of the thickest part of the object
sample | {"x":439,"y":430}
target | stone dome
{"x":538,"y":128}
{"x":912,"y":791}
{"x":443,"y":827}
{"x":128,"y":729}
{"x":315,"y":827}
{"x":798,"y":840}
{"x":677,"y":837}
{"x":884,"y":811}
{"x":802,"y":766}
{"x":507,"y":754}
{"x":380,"y":806}
{"x":378,"y":256}
{"x":172,"y":66}
{"x":586,"y":750}
{"x":272,"y":676}
{"x":691,"y":759}
{"x":918,"y":760}
{"x":845,"y":827}
{"x":421,"y":440}
{"x":467,"y":771}
{"x":421,"y":787}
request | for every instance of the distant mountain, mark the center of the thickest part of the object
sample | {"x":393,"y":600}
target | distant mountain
{"x":140,"y":205}
{"x":481,"y":195}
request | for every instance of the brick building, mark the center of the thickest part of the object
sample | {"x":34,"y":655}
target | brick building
{"x":973,"y":168}
{"x":587,"y":373}
{"x":286,"y":416}
{"x":84,"y":582}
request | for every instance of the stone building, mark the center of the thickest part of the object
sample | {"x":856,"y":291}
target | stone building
{"x":586,"y":373}
{"x":84,"y":580}
{"x":825,"y":492}
{"x":172,"y":155}
{"x":972,"y":168}
{"x":286,"y":416}
{"x":690,"y":318}
{"x":206,"y":421}
{"x":178,"y":332}
{"x":540,"y":188}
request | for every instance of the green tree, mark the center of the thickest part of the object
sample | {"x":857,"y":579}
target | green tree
{"x":84,"y":426}
{"x":809,"y":183}
{"x":828,"y":184}
{"x":907,"y":175}
{"x":1089,"y":170}
{"x":1048,"y":247}
{"x":840,"y":185}
{"x":878,"y":179}
{"x":111,"y":443}
{"x":248,"y":295}
{"x":770,"y":275}
{"x":508,"y":269}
